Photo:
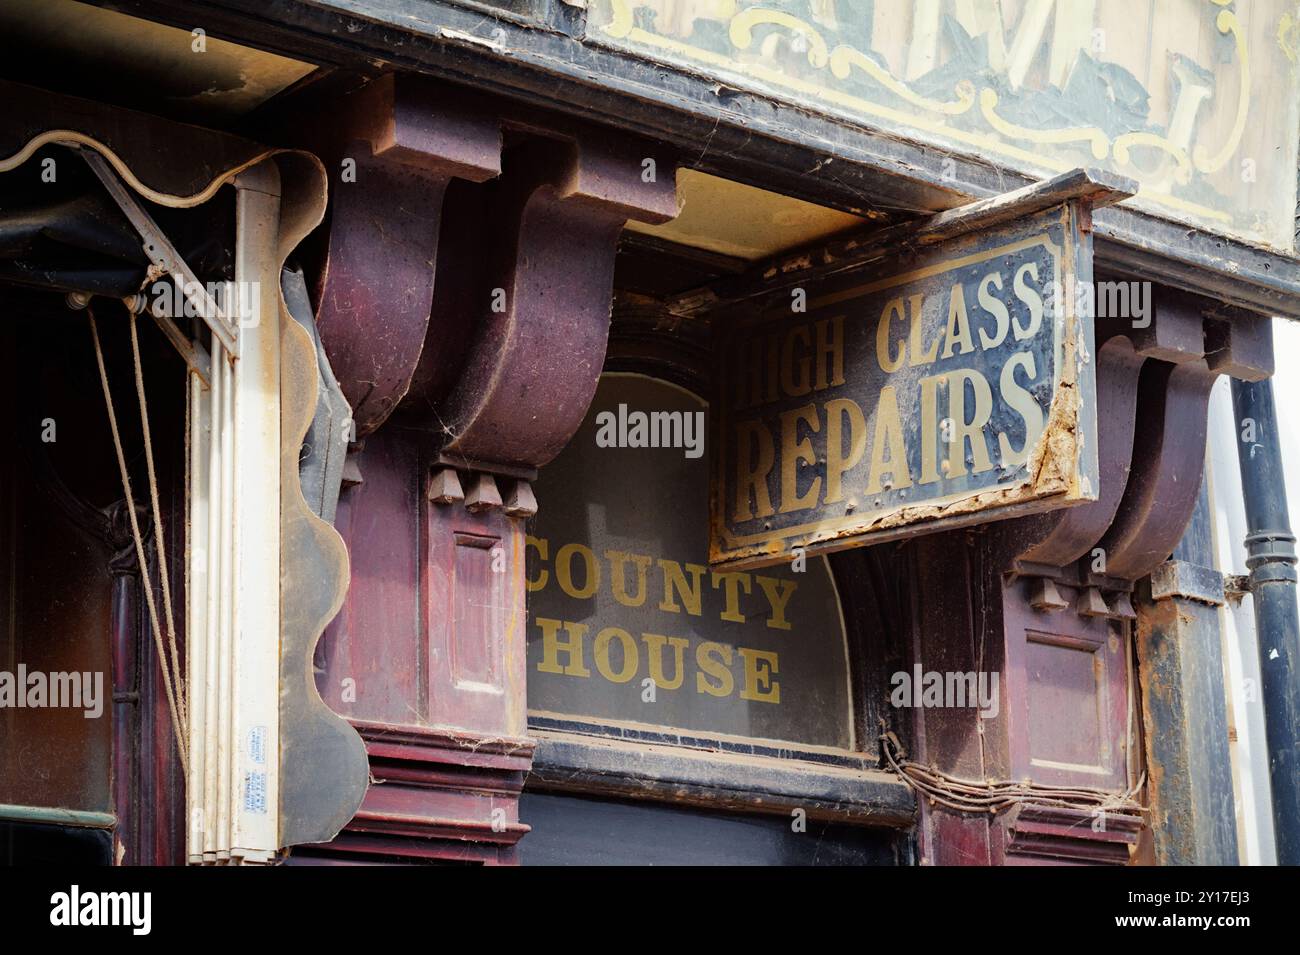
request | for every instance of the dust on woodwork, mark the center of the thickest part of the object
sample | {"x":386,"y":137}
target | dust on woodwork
{"x":721,"y":670}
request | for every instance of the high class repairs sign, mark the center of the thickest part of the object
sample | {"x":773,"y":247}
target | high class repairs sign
{"x":950,"y":386}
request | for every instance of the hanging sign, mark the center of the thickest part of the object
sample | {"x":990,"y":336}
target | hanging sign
{"x":947,"y":386}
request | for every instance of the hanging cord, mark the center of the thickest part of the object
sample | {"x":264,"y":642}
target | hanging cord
{"x":965,"y":795}
{"x":169,"y":665}
{"x":178,"y":678}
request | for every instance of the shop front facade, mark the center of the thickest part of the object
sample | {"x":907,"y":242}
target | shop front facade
{"x":645,"y":432}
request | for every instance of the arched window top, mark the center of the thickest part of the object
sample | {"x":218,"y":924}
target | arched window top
{"x":628,"y":627}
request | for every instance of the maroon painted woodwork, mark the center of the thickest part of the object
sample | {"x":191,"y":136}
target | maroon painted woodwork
{"x":1167,"y":466}
{"x":440,"y":794}
{"x":404,"y":147}
{"x":519,"y":287}
{"x":1153,"y":389}
{"x":950,"y":632}
{"x":373,"y":655}
{"x":427,"y":657}
{"x":555,"y":221}
{"x":1063,"y":537}
{"x":1051,"y":837}
{"x":1169,"y":455}
{"x":1066,"y":694}
{"x":473,"y":605}
{"x":469,"y":279}
{"x":1062,"y":719}
{"x":1053,"y":620}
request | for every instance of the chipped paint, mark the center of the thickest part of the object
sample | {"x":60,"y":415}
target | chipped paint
{"x":1058,"y":469}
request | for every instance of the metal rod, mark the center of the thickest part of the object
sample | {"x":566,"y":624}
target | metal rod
{"x":163,"y":254}
{"x":195,"y":358}
{"x":58,"y":817}
{"x":1271,"y":558}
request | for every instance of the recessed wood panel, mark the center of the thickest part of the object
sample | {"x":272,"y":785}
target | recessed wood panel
{"x":1067,"y":694}
{"x":478,"y":612}
{"x":472,"y":606}
{"x":1067,"y":691}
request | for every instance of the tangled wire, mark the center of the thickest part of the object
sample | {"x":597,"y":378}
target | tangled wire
{"x":965,"y":795}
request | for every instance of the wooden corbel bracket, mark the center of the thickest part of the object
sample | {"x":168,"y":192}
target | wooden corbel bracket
{"x":1059,"y":538}
{"x":396,"y":148}
{"x":533,"y":321}
{"x":1154,"y":385}
{"x":472,"y":288}
{"x":1169,"y":442}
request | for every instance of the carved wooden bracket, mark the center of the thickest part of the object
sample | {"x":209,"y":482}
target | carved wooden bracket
{"x":516,"y":273}
{"x":468,"y":290}
{"x":429,"y":665}
{"x":541,"y":312}
{"x":1060,"y":538}
{"x":1153,"y":387}
{"x":401,"y":146}
{"x":1052,"y":619}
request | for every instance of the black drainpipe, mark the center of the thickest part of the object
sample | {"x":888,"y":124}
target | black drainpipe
{"x":1271,"y":558}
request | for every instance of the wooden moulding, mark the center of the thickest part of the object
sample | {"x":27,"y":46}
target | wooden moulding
{"x":664,"y":773}
{"x":436,"y":793}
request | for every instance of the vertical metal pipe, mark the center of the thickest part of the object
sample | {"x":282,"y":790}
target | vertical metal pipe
{"x":1271,"y":558}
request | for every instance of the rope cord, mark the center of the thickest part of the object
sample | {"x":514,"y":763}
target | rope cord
{"x":988,"y":796}
{"x":167,"y":668}
{"x":178,"y":678}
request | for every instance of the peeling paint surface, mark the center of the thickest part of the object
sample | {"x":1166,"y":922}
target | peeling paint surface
{"x":834,"y":431}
